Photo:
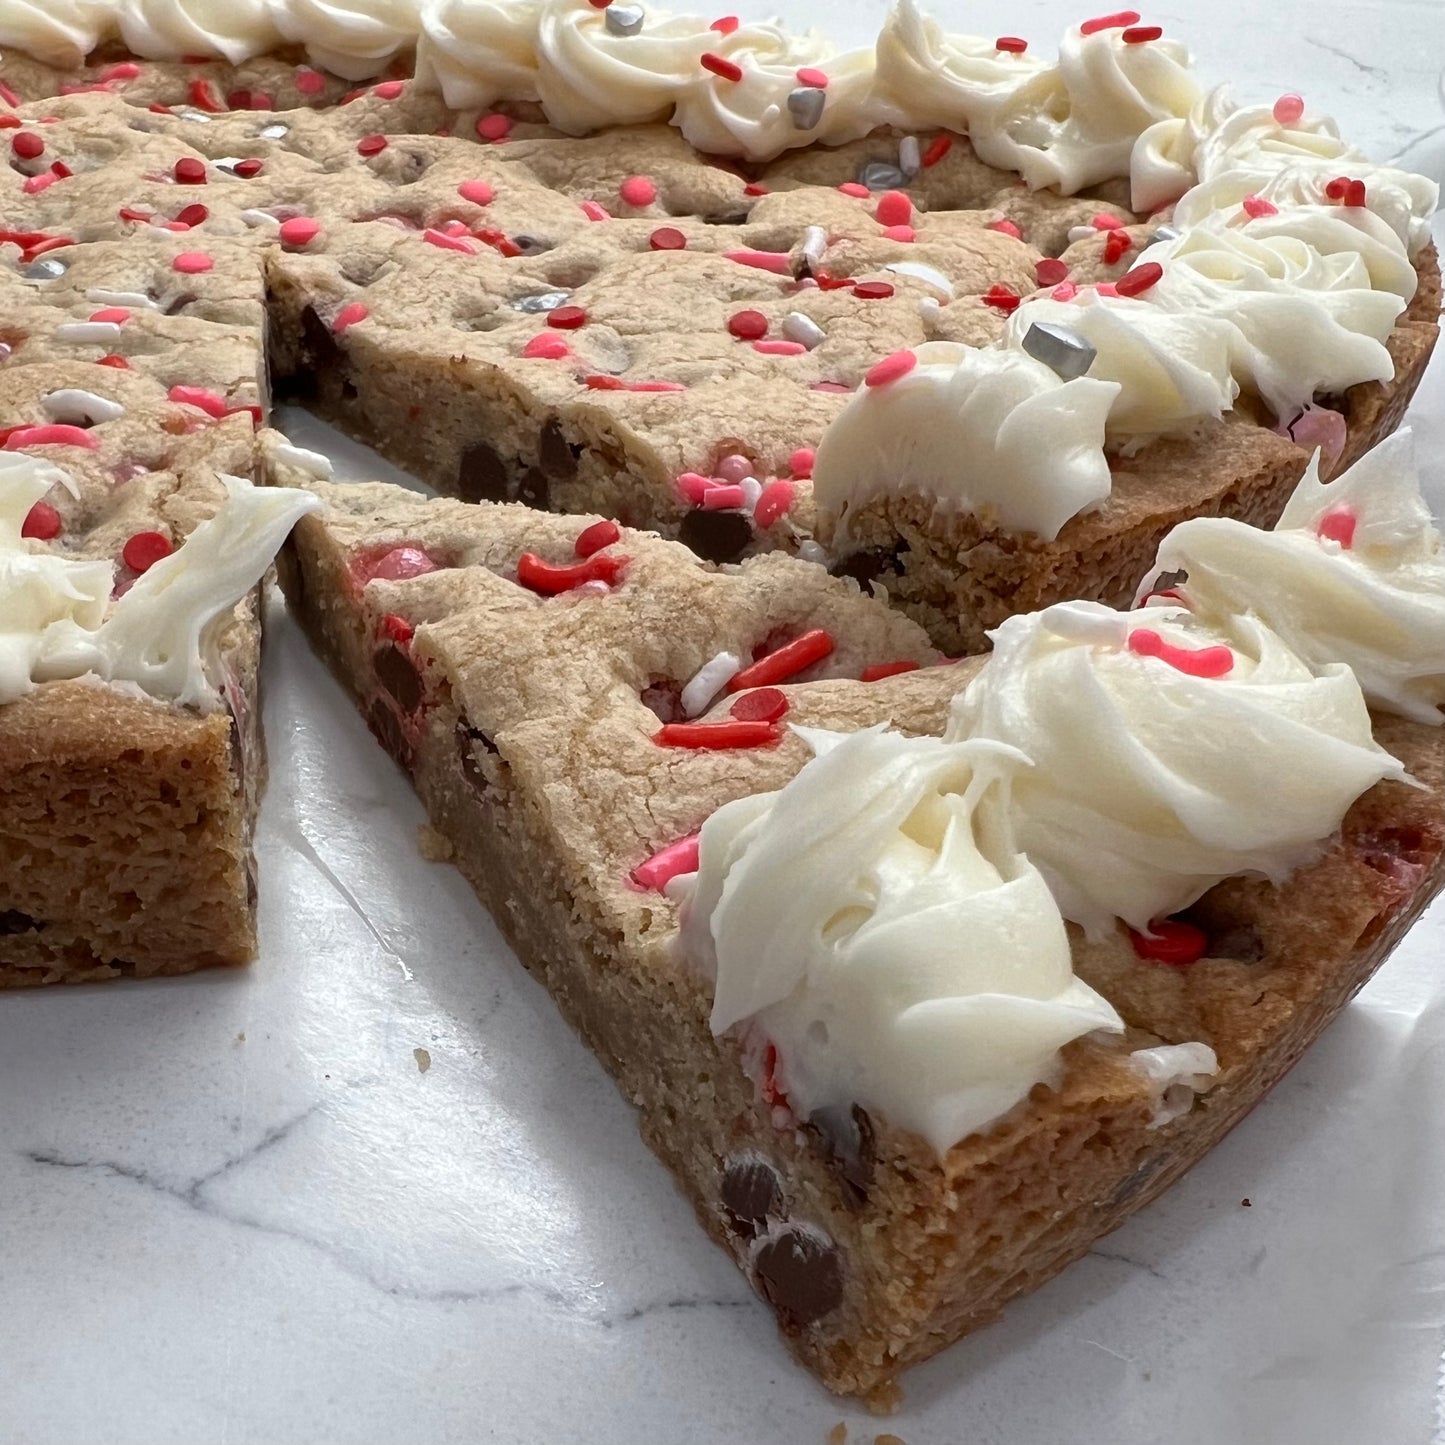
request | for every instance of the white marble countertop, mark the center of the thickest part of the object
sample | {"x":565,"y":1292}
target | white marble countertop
{"x":373,"y":1190}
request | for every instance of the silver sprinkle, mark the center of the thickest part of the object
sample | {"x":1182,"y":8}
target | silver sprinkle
{"x":196,"y":115}
{"x":910,"y":156}
{"x":545,"y":301}
{"x":531,"y":245}
{"x":622,"y":19}
{"x":1165,"y":233}
{"x":805,"y":105}
{"x":880,"y":176}
{"x":803,"y":329}
{"x":44,"y":269}
{"x":1064,"y":352}
{"x":274,"y":132}
{"x":815,"y":242}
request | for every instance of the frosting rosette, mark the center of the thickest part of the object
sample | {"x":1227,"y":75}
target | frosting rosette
{"x":235,"y":30}
{"x":1166,"y":756}
{"x":355,"y":39}
{"x":1161,"y":162}
{"x":874,"y":922}
{"x":59,"y":32}
{"x":477,"y":52}
{"x":987,"y":431}
{"x":1353,"y":573}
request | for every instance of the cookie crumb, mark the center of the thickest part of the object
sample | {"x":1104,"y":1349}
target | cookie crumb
{"x":241,"y":1038}
{"x":432,"y":846}
{"x":888,"y":1440}
{"x":838,"y":1435}
{"x":423,"y":1059}
{"x":1245,"y":1204}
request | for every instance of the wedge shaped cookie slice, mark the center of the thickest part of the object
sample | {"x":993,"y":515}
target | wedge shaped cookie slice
{"x":573,"y":701}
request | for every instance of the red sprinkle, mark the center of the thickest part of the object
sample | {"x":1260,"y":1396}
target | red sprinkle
{"x":27,"y":145}
{"x":479,"y":193}
{"x":1050,"y":271}
{"x":720,"y":66}
{"x":349,"y":315}
{"x":1002,"y":298}
{"x":1116,"y":21}
{"x":667,"y":863}
{"x":58,"y":434}
{"x":765,"y":704}
{"x":730,"y":734}
{"x":371,"y":145}
{"x":145,"y":549}
{"x":1336,"y":189}
{"x":725,"y":25}
{"x":774,"y":501}
{"x":1355,"y":193}
{"x":1141,"y":34}
{"x":203,"y":96}
{"x":388,"y":89}
{"x":33,"y":185}
{"x":1005,"y":227}
{"x":198,"y":396}
{"x":1139,"y":280}
{"x":905,"y":234}
{"x":894,"y":209}
{"x":787,"y":661}
{"x":1338,"y":525}
{"x":118,"y":315}
{"x":189,"y":171}
{"x":600,"y":381}
{"x":755,"y":188}
{"x":1206,"y":662}
{"x":546,"y":346}
{"x":877,"y":671}
{"x":249,"y":168}
{"x":637,"y":191}
{"x":938,"y":147}
{"x":308,"y":81}
{"x":667,"y":238}
{"x":1065,"y":291}
{"x":192,"y":215}
{"x":567,"y":318}
{"x":299,"y":231}
{"x":42,"y":522}
{"x":118,"y":362}
{"x":856,"y":189}
{"x":595,"y":211}
{"x":550,"y":579}
{"x":775,"y":261}
{"x":393,"y":564}
{"x":1289,"y":108}
{"x":595,"y":538}
{"x":126,"y":70}
{"x":873,"y":290}
{"x":1172,"y":942}
{"x":398,"y":629}
{"x":494,"y":127}
{"x":1116,"y":245}
{"x":899,"y":364}
{"x":1257,"y":206}
{"x":801,"y":462}
{"x":748,"y":325}
{"x":1011,"y":43}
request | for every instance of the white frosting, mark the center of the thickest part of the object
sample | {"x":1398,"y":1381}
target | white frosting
{"x":1172,"y":369}
{"x":236,"y":30}
{"x":59,"y":32}
{"x":55,"y":618}
{"x":991,"y":432}
{"x":477,"y":52}
{"x":1150,"y":784}
{"x":874,"y":922}
{"x":355,"y":39}
{"x":1177,"y":1074}
{"x":1161,"y":163}
{"x":1377,"y":605}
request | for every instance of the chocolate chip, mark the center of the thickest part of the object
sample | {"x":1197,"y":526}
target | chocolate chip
{"x":800,"y":1273}
{"x":534,"y":490}
{"x":387,"y":731}
{"x":664,"y":696}
{"x":482,"y":475}
{"x":865,"y":568}
{"x":12,"y":920}
{"x":556,"y":457}
{"x":846,"y":1136}
{"x":751,"y":1190}
{"x":716,"y":536}
{"x":397,"y":673}
{"x":179,"y":303}
{"x":1241,"y":942}
{"x":472,"y":770}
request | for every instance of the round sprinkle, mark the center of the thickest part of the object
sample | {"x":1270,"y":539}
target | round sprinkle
{"x":546,"y":347}
{"x":1005,"y":227}
{"x":349,"y":315}
{"x":494,"y":126}
{"x":1141,"y":34}
{"x":371,"y":145}
{"x":856,"y":189}
{"x":249,"y":167}
{"x":1116,"y":243}
{"x":192,"y":263}
{"x":1002,"y":298}
{"x":479,"y":193}
{"x":1011,"y":44}
{"x":667,"y":238}
{"x":894,"y":209}
{"x":873,"y":290}
{"x":1289,"y":109}
{"x":1257,"y":206}
{"x":1140,"y":279}
{"x":720,"y":66}
{"x":1338,"y":525}
{"x":142,"y":551}
{"x":725,"y":24}
{"x":890,"y":369}
{"x":1355,"y":193}
{"x":765,"y":704}
{"x":195,"y":215}
{"x":26,"y":145}
{"x":388,"y":89}
{"x":905,"y":234}
{"x":734,"y":467}
{"x":116,"y":314}
{"x":299,"y":231}
{"x":638,"y":191}
{"x":567,"y":318}
{"x":813,"y":77}
{"x":188,"y":171}
{"x":1171,"y":942}
{"x":801,"y":463}
{"x":308,"y":81}
{"x":1050,"y":271}
{"x":748,"y":325}
{"x":595,"y":538}
{"x":774,"y":501}
{"x":42,"y":522}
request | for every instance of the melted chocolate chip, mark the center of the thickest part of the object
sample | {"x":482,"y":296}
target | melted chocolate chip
{"x":397,"y":673}
{"x":664,"y":696}
{"x":179,"y":303}
{"x":387,"y":731}
{"x":472,"y":770}
{"x":557,"y":458}
{"x":751,"y":1190}
{"x":482,"y":475}
{"x":847,"y":1138}
{"x":1241,"y":942}
{"x":865,"y":568}
{"x":12,"y":920}
{"x":800,"y":1273}
{"x":716,"y":536}
{"x":534,"y":490}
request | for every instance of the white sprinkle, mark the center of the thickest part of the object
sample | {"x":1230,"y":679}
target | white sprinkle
{"x":803,"y":329}
{"x":815,"y":242}
{"x":752,"y":490}
{"x":806,"y":283}
{"x":312,"y":463}
{"x":198,"y":117}
{"x":596,"y":586}
{"x":910,"y":157}
{"x":149,"y":230}
{"x":929,"y":310}
{"x":259,"y":218}
{"x":137,"y":299}
{"x":89,"y":333}
{"x":708,"y":681}
{"x":1081,"y":233}
{"x":81,"y":408}
{"x":929,"y":275}
{"x":811,"y":551}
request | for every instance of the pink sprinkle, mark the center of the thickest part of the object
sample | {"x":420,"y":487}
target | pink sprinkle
{"x":693,"y":486}
{"x":58,"y":435}
{"x":775,"y":500}
{"x":308,"y":81}
{"x":1005,"y":227}
{"x":299,"y":231}
{"x":494,"y":127}
{"x":1050,"y":271}
{"x":192,"y":263}
{"x":198,"y":396}
{"x":734,"y":467}
{"x":856,"y":189}
{"x":464,"y":244}
{"x":801,"y":462}
{"x":638,"y":191}
{"x":779,"y":348}
{"x":667,"y":864}
{"x":479,"y":193}
{"x":1206,"y":662}
{"x":890,"y":369}
{"x":33,"y":185}
{"x":1064,"y":291}
{"x":595,"y":211}
{"x":388,"y":89}
{"x":547,"y":345}
{"x":657,"y":386}
{"x":349,"y":315}
{"x":395,"y":565}
{"x":117,"y":314}
{"x":812,"y":77}
{"x":1105,"y":222}
{"x":1107,"y":288}
{"x":1257,"y":206}
{"x":775,"y":261}
{"x":126,"y":70}
{"x":894,"y":209}
{"x":725,"y":24}
{"x":719,"y":498}
{"x":1289,"y":108}
{"x":905,"y":234}
{"x":1338,"y":525}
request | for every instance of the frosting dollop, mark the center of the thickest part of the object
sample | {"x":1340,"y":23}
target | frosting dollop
{"x":1354,"y":572}
{"x":477,"y":52}
{"x":987,"y":431}
{"x":1161,"y":162}
{"x":354,"y":39}
{"x":236,"y":30}
{"x":59,"y":32}
{"x":874,"y":922}
{"x":56,"y":620}
{"x":1165,"y":761}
